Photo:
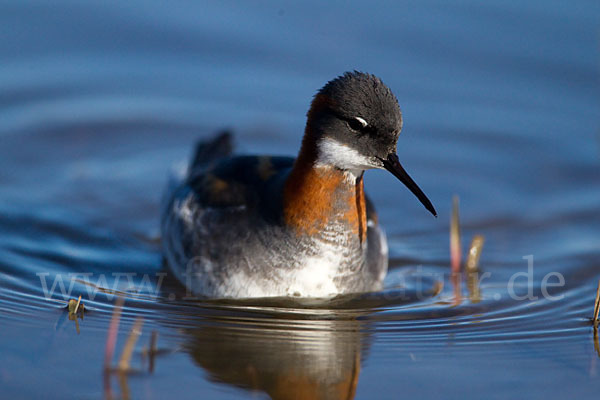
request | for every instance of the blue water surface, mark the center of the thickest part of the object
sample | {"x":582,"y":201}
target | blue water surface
{"x":501,"y":100}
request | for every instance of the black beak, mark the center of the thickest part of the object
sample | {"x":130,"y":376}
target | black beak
{"x":392,"y":164}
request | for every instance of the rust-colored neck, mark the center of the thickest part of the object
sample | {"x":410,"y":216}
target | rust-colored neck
{"x":315,"y":196}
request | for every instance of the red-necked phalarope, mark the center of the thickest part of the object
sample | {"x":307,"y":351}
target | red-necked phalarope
{"x":259,"y":226}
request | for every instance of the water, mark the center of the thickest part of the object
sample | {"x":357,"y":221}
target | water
{"x":500,"y":100}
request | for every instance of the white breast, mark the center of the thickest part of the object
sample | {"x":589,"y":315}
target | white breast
{"x":316,"y":277}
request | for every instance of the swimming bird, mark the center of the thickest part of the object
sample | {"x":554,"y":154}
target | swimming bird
{"x":239,"y":226}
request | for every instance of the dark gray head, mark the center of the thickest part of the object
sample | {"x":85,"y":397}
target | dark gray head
{"x":355,"y":121}
{"x":360,"y":112}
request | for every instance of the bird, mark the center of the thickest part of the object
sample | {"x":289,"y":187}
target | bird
{"x":252,"y":226}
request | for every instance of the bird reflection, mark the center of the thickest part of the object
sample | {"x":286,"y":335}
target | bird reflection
{"x":282,"y":347}
{"x":286,"y":359}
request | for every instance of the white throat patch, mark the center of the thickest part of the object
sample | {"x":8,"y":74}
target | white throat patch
{"x":332,"y":152}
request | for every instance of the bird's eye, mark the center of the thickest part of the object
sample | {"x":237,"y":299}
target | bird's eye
{"x":357,"y":123}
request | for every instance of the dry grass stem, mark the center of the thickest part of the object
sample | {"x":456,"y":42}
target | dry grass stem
{"x":153,"y":350}
{"x":473,"y":287}
{"x":437,"y":288}
{"x":124,"y":386}
{"x":596,"y":342}
{"x":113,"y":328}
{"x":153,"y":341}
{"x":455,"y":252}
{"x":597,"y":305}
{"x":77,"y":305}
{"x":135,"y":333}
{"x":472,"y":264}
